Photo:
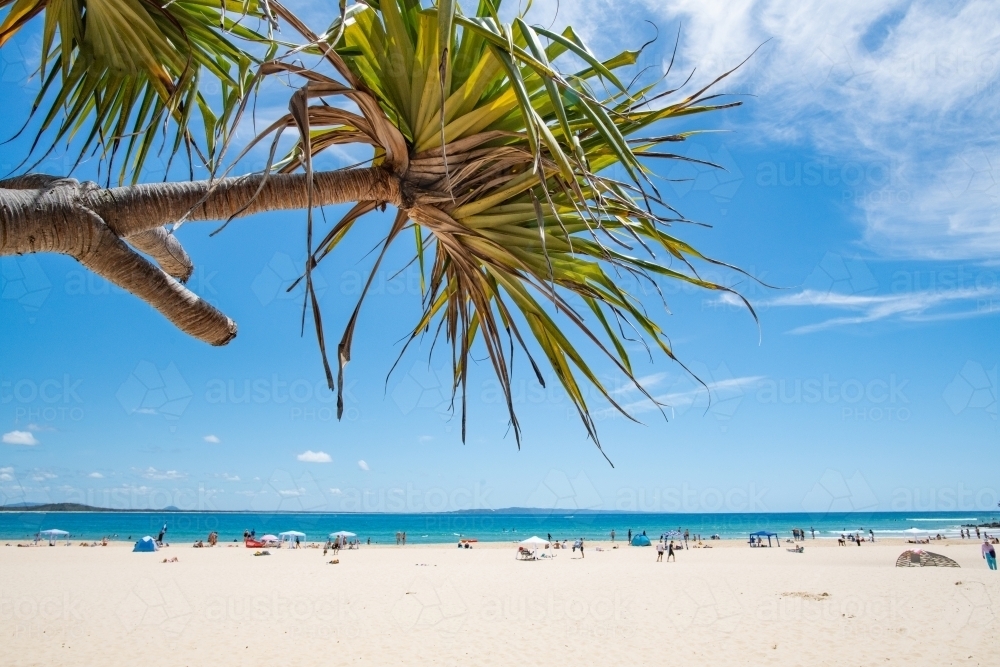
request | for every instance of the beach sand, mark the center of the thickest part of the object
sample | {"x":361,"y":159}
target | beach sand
{"x":440,"y":605}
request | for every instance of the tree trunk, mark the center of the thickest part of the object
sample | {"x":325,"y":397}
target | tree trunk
{"x":47,"y":214}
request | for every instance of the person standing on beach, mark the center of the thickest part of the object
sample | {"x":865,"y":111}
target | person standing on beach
{"x":670,"y":552}
{"x":871,"y":534}
{"x":813,"y":531}
{"x":659,"y":552}
{"x":990,"y":554}
{"x":630,"y":535}
{"x":612,"y":536}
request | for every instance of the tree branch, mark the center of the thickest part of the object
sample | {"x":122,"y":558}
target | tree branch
{"x":167,"y":250}
{"x":139,"y":208}
{"x":54,"y":218}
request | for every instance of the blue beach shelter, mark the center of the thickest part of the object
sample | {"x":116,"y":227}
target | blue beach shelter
{"x":640,"y":540}
{"x":145,"y":544}
{"x":757,"y":539}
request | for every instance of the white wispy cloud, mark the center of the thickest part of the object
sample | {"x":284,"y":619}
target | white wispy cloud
{"x":921,"y":306}
{"x":647,"y":382}
{"x":42,"y":476}
{"x":901,"y":94}
{"x":335,"y":492}
{"x":6,"y":474}
{"x":363,"y":465}
{"x":310,"y":456}
{"x":214,"y":439}
{"x":96,"y":475}
{"x":230,"y":478}
{"x":20,"y":438}
{"x":39,"y":427}
{"x":691,"y":392}
{"x":153,"y":473}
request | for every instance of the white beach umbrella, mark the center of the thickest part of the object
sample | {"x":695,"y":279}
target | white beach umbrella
{"x":292,"y":533}
{"x":342,"y":533}
{"x":54,"y":532}
{"x":534,"y":542}
{"x":269,"y":538}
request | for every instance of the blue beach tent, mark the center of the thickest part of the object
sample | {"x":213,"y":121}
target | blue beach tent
{"x":640,"y":540}
{"x":145,"y":544}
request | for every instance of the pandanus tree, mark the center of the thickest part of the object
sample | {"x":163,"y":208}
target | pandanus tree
{"x":518,"y":164}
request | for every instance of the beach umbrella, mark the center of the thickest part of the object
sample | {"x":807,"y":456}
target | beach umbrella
{"x":269,"y":538}
{"x":342,"y":533}
{"x":534,"y":542}
{"x":54,"y":532}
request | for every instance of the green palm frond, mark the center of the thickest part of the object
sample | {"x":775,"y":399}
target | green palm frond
{"x":116,"y":73}
{"x":514,"y":210}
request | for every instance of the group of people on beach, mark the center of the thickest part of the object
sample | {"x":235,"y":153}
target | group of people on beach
{"x":856,"y":538}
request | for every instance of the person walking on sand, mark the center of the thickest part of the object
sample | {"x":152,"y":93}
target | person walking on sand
{"x":630,"y":535}
{"x":670,"y":552}
{"x":990,"y":554}
{"x":659,"y":552}
{"x":612,"y":536}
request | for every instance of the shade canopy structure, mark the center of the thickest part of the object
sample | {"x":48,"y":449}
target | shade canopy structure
{"x":641,"y":540}
{"x":758,"y":537}
{"x":292,"y":536}
{"x":534,"y":542}
{"x":673,"y":535}
{"x":269,"y":538}
{"x":145,"y":544}
{"x":343,"y":533}
{"x":921,"y":558}
{"x":54,"y":532}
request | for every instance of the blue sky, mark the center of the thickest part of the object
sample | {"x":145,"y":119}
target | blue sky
{"x":862,"y":179}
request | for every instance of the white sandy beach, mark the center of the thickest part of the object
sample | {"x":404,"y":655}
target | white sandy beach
{"x":441,"y":605}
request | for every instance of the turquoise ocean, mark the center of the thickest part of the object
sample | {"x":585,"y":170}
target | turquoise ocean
{"x":500,"y":526}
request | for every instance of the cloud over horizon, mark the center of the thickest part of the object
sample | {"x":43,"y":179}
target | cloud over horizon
{"x":310,"y":456}
{"x":25,"y":438}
